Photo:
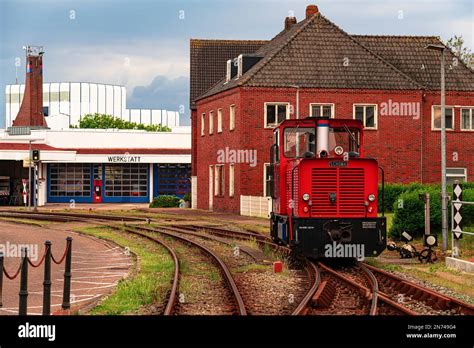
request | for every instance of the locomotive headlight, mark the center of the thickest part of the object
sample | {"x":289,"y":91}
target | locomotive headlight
{"x":306,"y":197}
{"x":371,"y":197}
{"x":338,"y":150}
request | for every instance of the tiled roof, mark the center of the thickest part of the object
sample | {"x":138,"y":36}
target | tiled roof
{"x":208,"y":61}
{"x":408,"y":54}
{"x":316,"y":53}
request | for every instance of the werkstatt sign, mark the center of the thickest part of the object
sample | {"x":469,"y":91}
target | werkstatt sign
{"x":123,"y":159}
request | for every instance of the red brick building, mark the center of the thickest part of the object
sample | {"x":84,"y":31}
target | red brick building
{"x":241,"y":89}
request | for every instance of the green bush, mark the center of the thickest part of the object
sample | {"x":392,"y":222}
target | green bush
{"x":409,"y":211}
{"x":165,"y":201}
{"x":392,"y":191}
{"x":102,"y":121}
{"x":187,"y":197}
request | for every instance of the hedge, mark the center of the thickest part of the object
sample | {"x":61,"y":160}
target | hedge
{"x":409,"y":212}
{"x":165,"y":201}
{"x":392,"y":191}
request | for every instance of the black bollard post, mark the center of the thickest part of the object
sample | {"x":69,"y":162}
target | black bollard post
{"x":47,"y":280}
{"x":23,"y":306}
{"x":1,"y":279}
{"x":67,"y":276}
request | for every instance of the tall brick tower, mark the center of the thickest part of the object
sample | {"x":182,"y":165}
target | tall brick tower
{"x":31,"y":110}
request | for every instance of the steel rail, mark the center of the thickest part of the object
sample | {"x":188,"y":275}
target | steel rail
{"x":222,"y":266}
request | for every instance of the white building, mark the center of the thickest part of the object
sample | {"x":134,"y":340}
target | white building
{"x":98,"y":165}
{"x":65,"y":103}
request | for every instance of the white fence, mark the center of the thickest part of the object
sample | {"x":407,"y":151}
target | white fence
{"x":255,"y":206}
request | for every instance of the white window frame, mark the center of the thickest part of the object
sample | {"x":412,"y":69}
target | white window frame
{"x":211,"y":122}
{"x":232,"y":117}
{"x":219,"y":120}
{"x":271,"y":126}
{"x":471,"y":114}
{"x":231,"y":180}
{"x":203,"y":124}
{"x":321,"y":104}
{"x":265,"y":166}
{"x":456,"y":175}
{"x":432,"y":117}
{"x":376,"y":114}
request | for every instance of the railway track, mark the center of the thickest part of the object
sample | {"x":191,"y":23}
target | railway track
{"x":418,"y":298}
{"x":359,"y":289}
{"x":172,"y":297}
{"x":225,"y":272}
{"x":67,"y":217}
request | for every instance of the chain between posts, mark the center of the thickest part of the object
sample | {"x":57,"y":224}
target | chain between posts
{"x":23,"y":272}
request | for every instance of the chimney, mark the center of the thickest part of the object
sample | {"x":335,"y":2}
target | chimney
{"x":289,"y":21}
{"x":311,"y":10}
{"x":31,"y":109}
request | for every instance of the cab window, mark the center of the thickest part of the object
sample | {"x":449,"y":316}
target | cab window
{"x":298,"y":142}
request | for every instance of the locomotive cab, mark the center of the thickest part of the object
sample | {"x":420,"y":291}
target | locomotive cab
{"x":324,"y":191}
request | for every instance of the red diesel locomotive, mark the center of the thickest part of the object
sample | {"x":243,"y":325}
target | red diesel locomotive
{"x":324,"y":191}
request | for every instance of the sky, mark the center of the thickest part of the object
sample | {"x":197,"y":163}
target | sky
{"x":144,"y":44}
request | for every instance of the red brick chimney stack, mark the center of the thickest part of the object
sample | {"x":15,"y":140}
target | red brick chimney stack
{"x":311,"y":10}
{"x":31,"y":109}
{"x":289,"y":21}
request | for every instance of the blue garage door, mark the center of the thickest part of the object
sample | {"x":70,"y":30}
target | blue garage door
{"x":172,"y":179}
{"x":69,"y":181}
{"x":126,"y":183}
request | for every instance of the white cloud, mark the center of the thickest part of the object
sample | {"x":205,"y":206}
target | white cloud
{"x":126,"y":63}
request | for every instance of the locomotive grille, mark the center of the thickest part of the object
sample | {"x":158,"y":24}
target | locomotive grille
{"x":346,"y":183}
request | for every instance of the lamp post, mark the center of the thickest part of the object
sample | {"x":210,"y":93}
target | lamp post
{"x":444,"y":197}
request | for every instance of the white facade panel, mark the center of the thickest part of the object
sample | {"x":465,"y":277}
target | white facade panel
{"x":76,"y":99}
{"x":117,"y":101}
{"x":15,"y":102}
{"x":109,"y":100}
{"x":135,"y":115}
{"x":101,"y":99}
{"x":171,"y":118}
{"x":85,"y":101}
{"x":146,"y":117}
{"x":123,"y":101}
{"x":155,"y":116}
{"x":64,"y":97}
{"x":7,"y":106}
{"x":94,"y":100}
{"x":75,"y":103}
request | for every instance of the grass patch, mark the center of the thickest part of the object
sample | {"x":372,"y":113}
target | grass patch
{"x":38,"y":223}
{"x":149,"y":286}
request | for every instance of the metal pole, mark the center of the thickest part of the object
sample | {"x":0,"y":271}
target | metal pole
{"x":47,"y":280}
{"x":67,"y":276}
{"x":444,"y":202}
{"x":35,"y":185}
{"x":1,"y":279}
{"x":22,"y":308}
{"x":427,"y":215}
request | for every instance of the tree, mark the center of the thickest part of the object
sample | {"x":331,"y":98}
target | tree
{"x":102,"y":121}
{"x":456,"y":44}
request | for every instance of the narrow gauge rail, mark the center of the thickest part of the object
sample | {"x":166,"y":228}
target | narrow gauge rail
{"x":66,"y":216}
{"x":239,"y":303}
{"x":170,"y":304}
{"x":360,"y":279}
{"x":260,"y":239}
{"x":255,"y":255}
{"x":429,"y":301}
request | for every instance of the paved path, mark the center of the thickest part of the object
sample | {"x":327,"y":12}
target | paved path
{"x":97,"y":266}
